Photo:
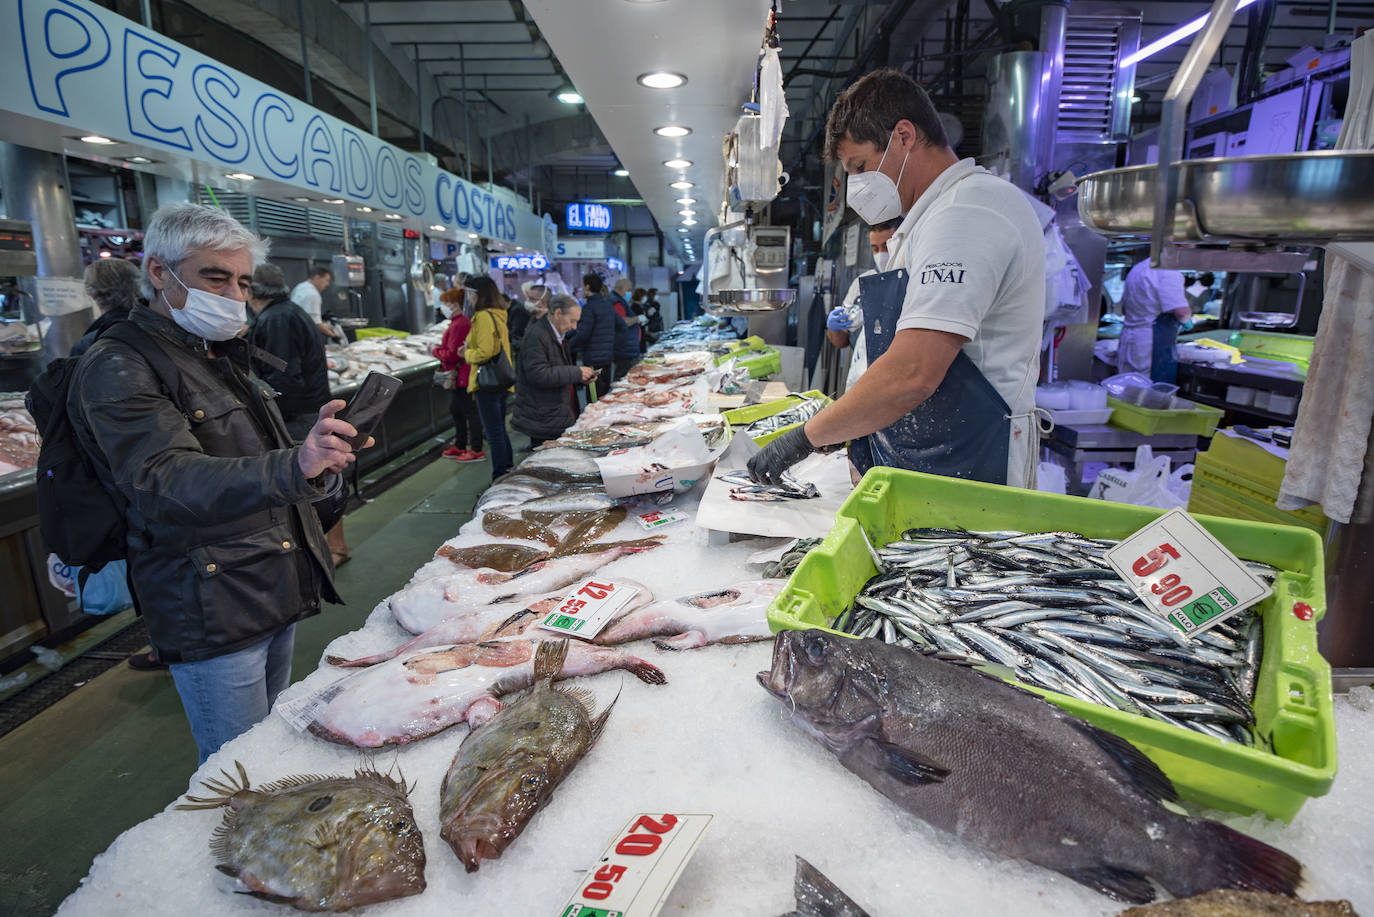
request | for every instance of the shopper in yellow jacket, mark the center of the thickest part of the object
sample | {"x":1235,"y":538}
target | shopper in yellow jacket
{"x":490,"y":336}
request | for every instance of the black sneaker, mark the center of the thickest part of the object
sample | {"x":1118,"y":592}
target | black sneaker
{"x":146,"y":661}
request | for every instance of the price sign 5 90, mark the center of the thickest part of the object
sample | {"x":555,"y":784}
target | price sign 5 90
{"x":1181,"y":571}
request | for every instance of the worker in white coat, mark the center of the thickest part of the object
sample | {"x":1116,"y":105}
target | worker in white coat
{"x":1154,"y":306}
{"x":844,"y":327}
{"x":952,"y":327}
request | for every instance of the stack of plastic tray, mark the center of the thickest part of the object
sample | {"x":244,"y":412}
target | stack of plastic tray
{"x":1291,"y":348}
{"x":1193,"y":418}
{"x":753,"y":342}
{"x":1293,"y":704}
{"x":1240,"y":479}
{"x":743,"y":417}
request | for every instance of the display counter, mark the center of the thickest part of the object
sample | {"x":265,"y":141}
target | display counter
{"x":420,"y":411}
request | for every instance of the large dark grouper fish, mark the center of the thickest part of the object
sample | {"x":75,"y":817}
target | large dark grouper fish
{"x":817,"y":896}
{"x":507,"y":769}
{"x":999,"y":767}
{"x":317,"y":843}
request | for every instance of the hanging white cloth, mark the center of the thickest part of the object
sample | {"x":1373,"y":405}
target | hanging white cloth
{"x":1332,"y":434}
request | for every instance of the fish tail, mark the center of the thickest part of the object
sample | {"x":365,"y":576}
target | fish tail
{"x":225,"y":790}
{"x":549,"y":658}
{"x":1225,"y":858}
{"x":644,"y":670}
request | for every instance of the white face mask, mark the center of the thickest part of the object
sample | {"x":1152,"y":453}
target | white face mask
{"x":207,"y":315}
{"x":880,"y":261}
{"x":873,"y":195}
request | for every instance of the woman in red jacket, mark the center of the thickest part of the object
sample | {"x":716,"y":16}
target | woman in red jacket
{"x":467,"y":426}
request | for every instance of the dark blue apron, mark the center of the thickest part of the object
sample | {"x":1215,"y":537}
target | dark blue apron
{"x":963,"y":430}
{"x":1163,"y":359}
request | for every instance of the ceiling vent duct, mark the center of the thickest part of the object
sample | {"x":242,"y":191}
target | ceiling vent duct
{"x":1095,"y":91}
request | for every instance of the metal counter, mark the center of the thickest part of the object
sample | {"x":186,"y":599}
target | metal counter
{"x":1074,"y":446}
{"x":419,"y":412}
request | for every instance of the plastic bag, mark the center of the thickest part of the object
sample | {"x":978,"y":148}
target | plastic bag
{"x":1148,"y":484}
{"x":1051,"y":479}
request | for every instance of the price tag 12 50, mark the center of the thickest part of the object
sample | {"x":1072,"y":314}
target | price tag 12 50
{"x":1181,"y":571}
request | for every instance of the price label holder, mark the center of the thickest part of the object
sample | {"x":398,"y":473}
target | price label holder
{"x":585,"y":610}
{"x":639,"y":868}
{"x":1181,"y":571}
{"x":660,"y":518}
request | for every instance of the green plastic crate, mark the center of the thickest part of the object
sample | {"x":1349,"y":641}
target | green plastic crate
{"x":765,"y":364}
{"x":1198,"y":419}
{"x":363,"y":334}
{"x":753,"y":342}
{"x":1291,"y":348}
{"x":1220,"y":497}
{"x":1293,"y":703}
{"x":743,"y":417}
{"x":1250,"y":477}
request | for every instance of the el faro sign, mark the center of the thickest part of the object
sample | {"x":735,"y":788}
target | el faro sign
{"x":76,"y":65}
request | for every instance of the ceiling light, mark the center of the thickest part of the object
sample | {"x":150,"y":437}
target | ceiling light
{"x":332,"y":200}
{"x":681,"y":185}
{"x":240,"y":176}
{"x":568,"y":94}
{"x":393,"y":216}
{"x":438,"y":227}
{"x":661,"y":79}
{"x":621,"y":173}
{"x":689,"y":222}
{"x":472,"y":235}
{"x":97,"y":139}
{"x":1173,"y":37}
{"x":672,"y":130}
{"x":688,"y":213}
{"x":303,"y":200}
{"x":683,"y":229}
{"x":138,"y":160}
{"x":686,"y":200}
{"x":363,"y":209}
{"x":1135,"y":100}
{"x":677,"y":163}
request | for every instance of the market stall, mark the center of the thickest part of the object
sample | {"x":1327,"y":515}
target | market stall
{"x":694,"y":732}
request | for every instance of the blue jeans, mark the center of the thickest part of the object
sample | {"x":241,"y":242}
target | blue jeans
{"x":226,"y":696}
{"x":491,"y":407}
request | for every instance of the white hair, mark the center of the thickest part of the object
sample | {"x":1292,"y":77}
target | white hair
{"x":623,"y":284}
{"x":177,"y":230}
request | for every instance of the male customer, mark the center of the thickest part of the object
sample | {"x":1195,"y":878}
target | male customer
{"x":225,"y":551}
{"x":282,"y":329}
{"x":308,"y":294}
{"x":113,"y":284}
{"x":545,"y":376}
{"x":597,"y":331}
{"x":627,"y":349}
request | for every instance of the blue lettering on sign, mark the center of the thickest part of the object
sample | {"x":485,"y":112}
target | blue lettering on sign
{"x":266,"y":104}
{"x":89,"y":51}
{"x":460,"y":192}
{"x":205,"y":79}
{"x":439,"y":196}
{"x":317,"y":146}
{"x":389,"y":177}
{"x":615,"y":264}
{"x":535,"y":262}
{"x":582,"y":215}
{"x":415,"y":198}
{"x":478,"y":224}
{"x":355,"y":150}
{"x":140,"y":53}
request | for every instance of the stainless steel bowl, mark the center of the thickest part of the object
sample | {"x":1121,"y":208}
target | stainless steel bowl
{"x":1305,"y":198}
{"x":747,"y":302}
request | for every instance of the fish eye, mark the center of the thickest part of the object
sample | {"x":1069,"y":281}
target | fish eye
{"x":531,"y":781}
{"x":815,"y":649}
{"x":400,"y":825}
{"x":319,"y":804}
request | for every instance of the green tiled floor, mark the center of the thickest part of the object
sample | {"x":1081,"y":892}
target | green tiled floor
{"x":117,"y":750}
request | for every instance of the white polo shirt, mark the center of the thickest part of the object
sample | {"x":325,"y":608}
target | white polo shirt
{"x":308,"y":298}
{"x":975,"y":258}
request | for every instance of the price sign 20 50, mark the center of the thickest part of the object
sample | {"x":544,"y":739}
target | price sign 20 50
{"x":631,"y":845}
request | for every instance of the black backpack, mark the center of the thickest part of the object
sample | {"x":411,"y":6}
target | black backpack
{"x":78,"y":518}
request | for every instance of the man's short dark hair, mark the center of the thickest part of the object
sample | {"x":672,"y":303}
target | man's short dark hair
{"x":563,"y":303}
{"x":887,"y":225}
{"x":594,"y":283}
{"x":322,"y":271}
{"x":868,"y":111}
{"x":269,"y":282}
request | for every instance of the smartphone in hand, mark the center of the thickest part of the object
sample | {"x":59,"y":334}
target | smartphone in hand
{"x":364,"y":411}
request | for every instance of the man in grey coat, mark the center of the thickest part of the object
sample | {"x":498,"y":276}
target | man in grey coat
{"x":545,"y":375}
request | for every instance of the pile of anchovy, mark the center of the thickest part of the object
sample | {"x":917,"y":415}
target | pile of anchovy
{"x":745,"y":488}
{"x":789,"y":561}
{"x":1050,"y":608}
{"x":798,"y":413}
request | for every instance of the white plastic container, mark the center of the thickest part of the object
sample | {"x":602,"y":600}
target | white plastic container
{"x":1261,"y":399}
{"x":1239,"y":394}
{"x":1087,"y":396}
{"x":1286,"y":405}
{"x":1054,"y":397}
{"x":1082,"y":418}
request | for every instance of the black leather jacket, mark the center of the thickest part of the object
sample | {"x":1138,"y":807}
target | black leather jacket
{"x":224,"y":547}
{"x":284,"y":330}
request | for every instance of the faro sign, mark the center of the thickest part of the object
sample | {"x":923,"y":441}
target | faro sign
{"x":535,"y":262}
{"x":76,"y":65}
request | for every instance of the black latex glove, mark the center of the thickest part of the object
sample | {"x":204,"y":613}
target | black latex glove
{"x":779,"y":455}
